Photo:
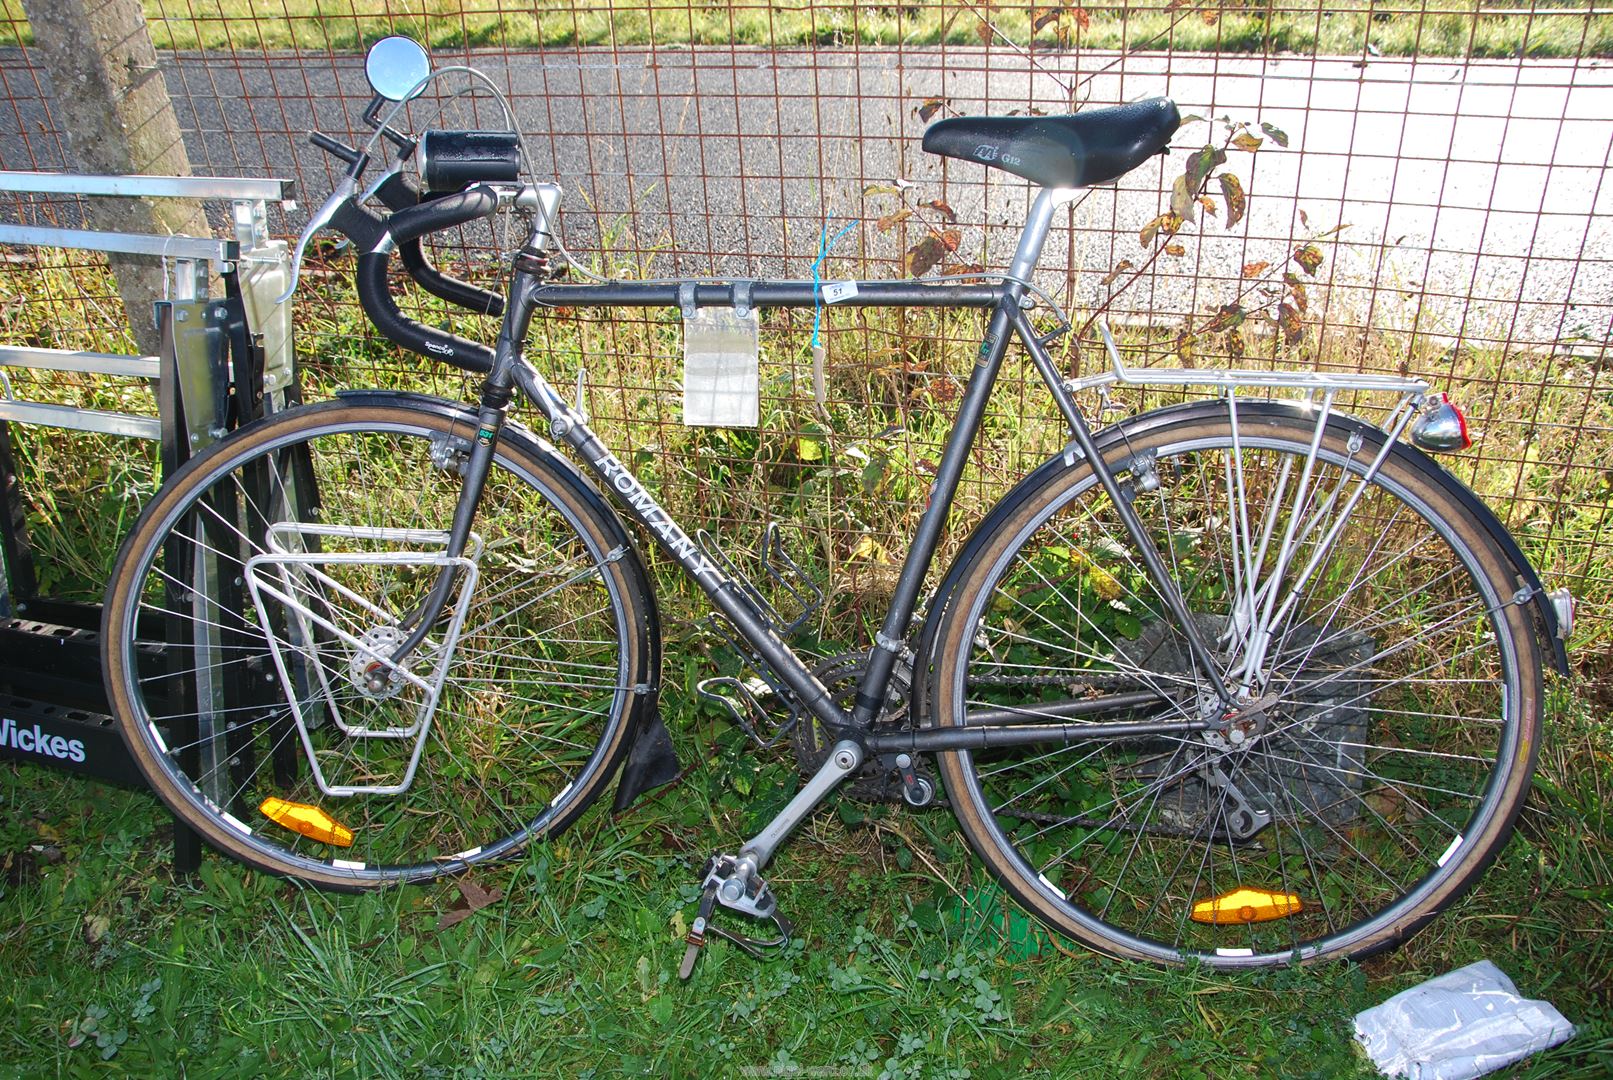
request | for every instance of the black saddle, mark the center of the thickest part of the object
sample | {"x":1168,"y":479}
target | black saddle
{"x":1092,"y":147}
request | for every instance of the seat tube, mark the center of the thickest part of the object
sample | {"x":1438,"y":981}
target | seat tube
{"x":893,"y":632}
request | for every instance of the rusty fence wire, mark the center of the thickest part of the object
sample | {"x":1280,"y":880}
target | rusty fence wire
{"x":1414,"y":186}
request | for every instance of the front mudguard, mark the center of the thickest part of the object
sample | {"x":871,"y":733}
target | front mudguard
{"x":1546,"y":623}
{"x":651,"y":758}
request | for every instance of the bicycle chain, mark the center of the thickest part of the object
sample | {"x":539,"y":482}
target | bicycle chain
{"x":1094,"y":680}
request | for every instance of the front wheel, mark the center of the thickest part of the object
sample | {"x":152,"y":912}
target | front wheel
{"x":1389,"y":695}
{"x":256,"y":627}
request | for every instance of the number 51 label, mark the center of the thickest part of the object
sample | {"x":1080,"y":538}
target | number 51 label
{"x":836,"y":291}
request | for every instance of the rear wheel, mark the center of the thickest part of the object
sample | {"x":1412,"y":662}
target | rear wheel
{"x":256,"y":608}
{"x":1387,"y":725}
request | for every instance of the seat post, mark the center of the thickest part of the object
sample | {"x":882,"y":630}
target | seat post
{"x":1035,"y":232}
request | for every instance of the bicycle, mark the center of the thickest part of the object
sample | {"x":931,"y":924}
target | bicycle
{"x":1246,"y":680}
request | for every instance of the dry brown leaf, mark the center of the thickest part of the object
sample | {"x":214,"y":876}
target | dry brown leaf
{"x":923,"y":256}
{"x":1119,"y":268}
{"x":1167,"y":223}
{"x":476,"y":897}
{"x":472,"y":898}
{"x":1184,"y":346}
{"x":1293,"y":326}
{"x":1232,"y":192}
{"x":890,"y":221}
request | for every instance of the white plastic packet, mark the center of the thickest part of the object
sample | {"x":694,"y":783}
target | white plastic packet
{"x":721,"y":369}
{"x":1458,"y":1026}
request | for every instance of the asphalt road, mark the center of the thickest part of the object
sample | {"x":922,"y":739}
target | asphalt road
{"x":1476,"y":197}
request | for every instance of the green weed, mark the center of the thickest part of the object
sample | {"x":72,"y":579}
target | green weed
{"x":1460,"y":28}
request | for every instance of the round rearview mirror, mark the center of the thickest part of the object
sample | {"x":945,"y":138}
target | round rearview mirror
{"x":395,"y":67}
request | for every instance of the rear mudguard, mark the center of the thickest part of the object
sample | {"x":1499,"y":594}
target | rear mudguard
{"x":651,"y":759}
{"x":1545,"y":614}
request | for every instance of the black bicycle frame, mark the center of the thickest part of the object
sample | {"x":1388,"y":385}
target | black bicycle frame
{"x":1007,"y":303}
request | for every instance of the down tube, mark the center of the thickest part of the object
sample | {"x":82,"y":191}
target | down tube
{"x":640,"y":505}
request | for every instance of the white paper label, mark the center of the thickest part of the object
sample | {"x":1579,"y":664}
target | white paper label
{"x":836,"y":291}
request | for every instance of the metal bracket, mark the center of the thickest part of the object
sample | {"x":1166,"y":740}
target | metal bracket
{"x":251,"y":221}
{"x":199,"y":367}
{"x":891,"y":645}
{"x":742,"y":295}
{"x":686,"y":295}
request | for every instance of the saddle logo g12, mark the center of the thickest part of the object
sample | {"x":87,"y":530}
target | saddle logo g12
{"x":36,"y":740}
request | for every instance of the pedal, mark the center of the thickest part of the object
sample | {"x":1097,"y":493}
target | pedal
{"x":739,"y":887}
{"x":732,"y":882}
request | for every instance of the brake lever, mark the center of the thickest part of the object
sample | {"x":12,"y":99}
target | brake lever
{"x":369,"y":192}
{"x":405,"y":152}
{"x":322,"y":217}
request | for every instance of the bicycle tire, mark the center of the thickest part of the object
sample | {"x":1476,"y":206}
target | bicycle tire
{"x":1079,"y":833}
{"x":530,"y":719}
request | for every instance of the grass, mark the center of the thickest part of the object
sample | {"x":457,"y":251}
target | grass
{"x":1435,"y":28}
{"x":909,"y":963}
{"x":570,"y":972}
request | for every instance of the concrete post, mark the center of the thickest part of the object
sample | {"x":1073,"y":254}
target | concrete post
{"x":110,"y":101}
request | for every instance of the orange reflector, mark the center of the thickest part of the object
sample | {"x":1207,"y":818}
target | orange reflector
{"x":309,"y":821}
{"x":1246,"y":906}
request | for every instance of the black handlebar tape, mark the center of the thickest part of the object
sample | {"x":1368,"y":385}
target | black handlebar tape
{"x":383,"y":311}
{"x":376,"y":297}
{"x":443,"y":213}
{"x":396,"y":193}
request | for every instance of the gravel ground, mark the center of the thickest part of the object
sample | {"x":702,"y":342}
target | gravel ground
{"x":1474,"y":195}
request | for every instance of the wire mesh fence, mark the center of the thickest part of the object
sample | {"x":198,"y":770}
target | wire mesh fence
{"x":1413,"y":187}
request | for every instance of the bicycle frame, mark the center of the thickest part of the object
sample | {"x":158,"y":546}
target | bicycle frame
{"x":853,"y":732}
{"x":1006,"y":303}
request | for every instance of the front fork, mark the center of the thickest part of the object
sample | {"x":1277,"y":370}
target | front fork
{"x":497,"y":390}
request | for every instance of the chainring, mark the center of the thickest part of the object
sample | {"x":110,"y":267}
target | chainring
{"x":877,"y":780}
